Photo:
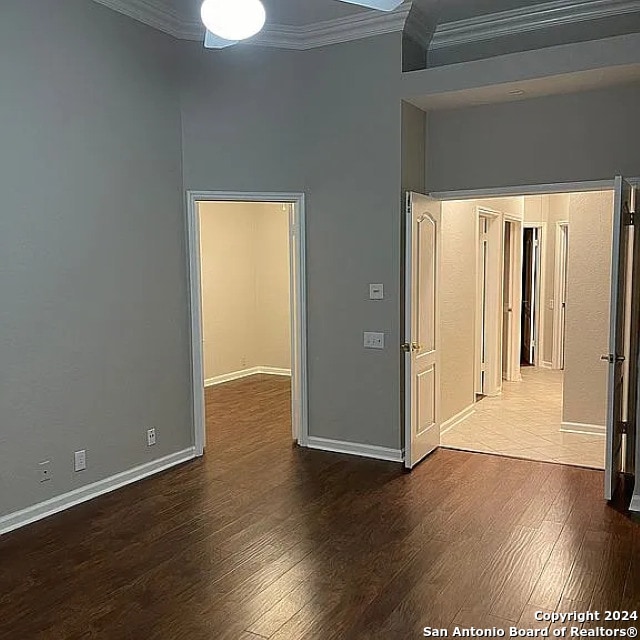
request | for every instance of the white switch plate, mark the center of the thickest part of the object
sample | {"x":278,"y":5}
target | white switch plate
{"x":376,"y":292}
{"x":80,"y":460}
{"x":373,"y":340}
{"x":151,"y":437}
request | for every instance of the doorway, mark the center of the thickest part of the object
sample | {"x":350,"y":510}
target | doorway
{"x":540,"y":411}
{"x":212,"y":349}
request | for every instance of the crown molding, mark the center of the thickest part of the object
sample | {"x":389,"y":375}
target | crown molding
{"x":150,"y":13}
{"x":363,"y":24}
{"x":532,"y":18}
{"x":406,"y":18}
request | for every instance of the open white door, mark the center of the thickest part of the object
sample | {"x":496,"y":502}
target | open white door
{"x":421,"y":346}
{"x":621,"y":399}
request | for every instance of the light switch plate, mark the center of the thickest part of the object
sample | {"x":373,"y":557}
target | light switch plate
{"x":376,"y":292}
{"x":373,"y":340}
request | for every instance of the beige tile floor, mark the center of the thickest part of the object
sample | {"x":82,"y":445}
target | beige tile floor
{"x":524,"y":422}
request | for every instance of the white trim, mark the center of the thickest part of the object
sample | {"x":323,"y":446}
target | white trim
{"x":362,"y":24}
{"x":560,"y":262}
{"x":526,"y":19}
{"x":365,"y":24}
{"x":299,"y":391}
{"x":541,"y":289}
{"x":447,"y":425}
{"x":524,"y":190}
{"x":274,"y":371}
{"x":356,"y":449}
{"x":579,"y":427}
{"x":493,"y":296}
{"x":546,"y":365}
{"x":245,"y":373}
{"x":634,"y":505}
{"x":88,"y":492}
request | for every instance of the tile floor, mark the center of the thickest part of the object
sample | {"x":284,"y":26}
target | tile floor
{"x":524,"y":422}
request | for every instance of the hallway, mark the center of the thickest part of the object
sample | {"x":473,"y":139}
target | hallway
{"x":524,"y":422}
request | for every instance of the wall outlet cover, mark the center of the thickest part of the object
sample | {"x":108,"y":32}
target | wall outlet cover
{"x":373,"y":340}
{"x":80,"y":460}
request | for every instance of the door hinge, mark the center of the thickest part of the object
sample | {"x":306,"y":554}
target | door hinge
{"x":628,"y":216}
{"x":624,"y":426}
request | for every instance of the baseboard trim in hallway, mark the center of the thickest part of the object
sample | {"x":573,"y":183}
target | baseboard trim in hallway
{"x":457,"y":419}
{"x":245,"y":373}
{"x":83,"y":494}
{"x":579,"y":427}
{"x":355,"y":449}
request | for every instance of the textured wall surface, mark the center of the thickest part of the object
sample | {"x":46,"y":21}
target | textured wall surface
{"x":94,"y":330}
{"x":587,"y":314}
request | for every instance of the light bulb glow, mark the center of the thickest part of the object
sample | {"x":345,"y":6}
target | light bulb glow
{"x":233,"y":19}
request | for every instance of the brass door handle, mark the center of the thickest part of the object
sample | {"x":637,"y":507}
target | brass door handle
{"x":610,"y":358}
{"x":413,"y":346}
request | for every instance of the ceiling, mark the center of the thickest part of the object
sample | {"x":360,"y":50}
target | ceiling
{"x":307,"y":12}
{"x":304,"y":24}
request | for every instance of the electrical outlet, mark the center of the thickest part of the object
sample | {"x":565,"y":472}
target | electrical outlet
{"x":80,"y":460}
{"x":373,"y":340}
{"x":151,"y":437}
{"x":44,"y":468}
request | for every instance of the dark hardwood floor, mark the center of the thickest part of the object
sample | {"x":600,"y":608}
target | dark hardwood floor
{"x":263,"y":540}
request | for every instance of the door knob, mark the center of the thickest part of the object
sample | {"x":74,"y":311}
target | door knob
{"x":415,"y":346}
{"x":610,"y":358}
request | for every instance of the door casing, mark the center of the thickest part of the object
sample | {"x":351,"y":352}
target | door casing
{"x":298,"y":280}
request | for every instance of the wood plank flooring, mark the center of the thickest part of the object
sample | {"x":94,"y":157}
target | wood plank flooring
{"x":261,"y":539}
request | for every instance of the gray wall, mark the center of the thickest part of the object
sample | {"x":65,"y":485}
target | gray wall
{"x":586,"y":136}
{"x":93,"y":322}
{"x":326,"y":122}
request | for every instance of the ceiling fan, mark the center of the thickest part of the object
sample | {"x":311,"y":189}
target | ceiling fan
{"x":231,"y":21}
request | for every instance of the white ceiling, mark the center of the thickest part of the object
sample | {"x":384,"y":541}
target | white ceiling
{"x":304,"y":24}
{"x":307,"y":12}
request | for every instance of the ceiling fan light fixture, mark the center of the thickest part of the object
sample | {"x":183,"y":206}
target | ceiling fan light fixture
{"x":233,"y":20}
{"x":380,"y":5}
{"x":212,"y":41}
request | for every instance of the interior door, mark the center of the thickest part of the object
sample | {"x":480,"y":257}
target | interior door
{"x":421,"y":345}
{"x":564,"y":254}
{"x":507,"y":302}
{"x":619,"y":416}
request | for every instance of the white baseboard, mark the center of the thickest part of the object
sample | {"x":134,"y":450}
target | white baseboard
{"x":579,"y":427}
{"x":245,"y":373}
{"x":90,"y":491}
{"x":546,"y":365}
{"x":635,"y":502}
{"x":457,"y":419}
{"x":274,"y":371}
{"x":355,"y":449}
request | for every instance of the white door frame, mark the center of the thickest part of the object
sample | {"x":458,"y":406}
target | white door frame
{"x":559,"y":280}
{"x":493,"y":295}
{"x":540,"y":290}
{"x":515,"y":263}
{"x":299,"y":389}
